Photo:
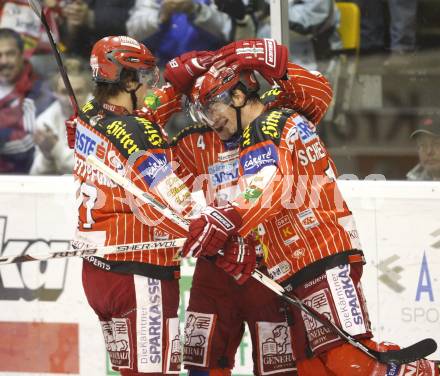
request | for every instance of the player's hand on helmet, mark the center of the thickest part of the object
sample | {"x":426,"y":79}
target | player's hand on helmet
{"x":182,"y":71}
{"x":70,"y":124}
{"x":208,"y":233}
{"x":239,"y":257}
{"x":263,"y":55}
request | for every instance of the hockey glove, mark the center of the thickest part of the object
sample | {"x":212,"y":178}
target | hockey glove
{"x":182,"y":71}
{"x":208,"y":233}
{"x":70,"y":131}
{"x":263,"y":55}
{"x":239,"y":257}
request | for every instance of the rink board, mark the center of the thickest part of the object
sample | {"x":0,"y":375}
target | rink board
{"x":47,"y":327}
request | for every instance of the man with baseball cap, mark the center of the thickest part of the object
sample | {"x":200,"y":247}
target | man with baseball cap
{"x":427,"y":137}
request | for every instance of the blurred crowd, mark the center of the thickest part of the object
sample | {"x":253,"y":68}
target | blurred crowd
{"x":34,"y":102}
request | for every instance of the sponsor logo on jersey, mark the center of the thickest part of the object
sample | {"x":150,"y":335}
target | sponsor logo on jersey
{"x":308,"y":219}
{"x":286,"y":230}
{"x":252,"y":193}
{"x":346,"y":299}
{"x":246,"y":136}
{"x":275,"y":348}
{"x":155,"y":168}
{"x":311,"y":153}
{"x":291,"y":137}
{"x":254,"y":160}
{"x":228,"y":155}
{"x":175,"y":193}
{"x":160,"y":235}
{"x":89,"y":143}
{"x":221,"y":173}
{"x":319,"y":334}
{"x":174,"y":348}
{"x":153,"y":135}
{"x":306,"y":130}
{"x":149,"y":324}
{"x":269,"y":126}
{"x":93,"y":175}
{"x":197,"y":340}
{"x":298,"y":253}
{"x":270,"y":93}
{"x":117,"y":341}
{"x":118,"y":131}
{"x":349,"y":226}
{"x":114,"y":161}
{"x":280,"y":270}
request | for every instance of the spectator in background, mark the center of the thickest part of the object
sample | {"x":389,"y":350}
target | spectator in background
{"x":87,"y":21}
{"x":244,"y":22}
{"x":427,"y":137}
{"x":172,"y":27}
{"x":313,"y":32}
{"x":402,"y":26}
{"x":22,"y":97}
{"x":17,"y":15}
{"x":53,"y":156}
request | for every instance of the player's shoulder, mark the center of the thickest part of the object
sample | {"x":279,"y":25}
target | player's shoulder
{"x":128,"y":133}
{"x":267,"y":126}
{"x":192,"y":130}
{"x":271,"y":96}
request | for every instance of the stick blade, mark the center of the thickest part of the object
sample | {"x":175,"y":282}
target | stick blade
{"x":409,"y":354}
{"x":36,"y":7}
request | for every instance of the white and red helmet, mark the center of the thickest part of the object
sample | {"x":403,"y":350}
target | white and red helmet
{"x":216,"y":86}
{"x":110,"y":55}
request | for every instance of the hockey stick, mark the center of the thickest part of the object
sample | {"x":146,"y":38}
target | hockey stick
{"x":98,"y":251}
{"x":409,"y":354}
{"x":39,"y":11}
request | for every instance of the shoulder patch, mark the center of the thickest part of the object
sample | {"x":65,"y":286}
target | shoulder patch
{"x":268,"y":126}
{"x":191,"y":129}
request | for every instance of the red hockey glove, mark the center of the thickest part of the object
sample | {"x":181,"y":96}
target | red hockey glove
{"x":239,"y":257}
{"x":184,"y":69}
{"x":208,"y":234}
{"x":70,"y":124}
{"x":263,"y":55}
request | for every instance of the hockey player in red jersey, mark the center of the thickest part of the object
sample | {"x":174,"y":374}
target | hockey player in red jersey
{"x":288,"y":188}
{"x":209,"y":158}
{"x":213,"y":154}
{"x":135,"y":295}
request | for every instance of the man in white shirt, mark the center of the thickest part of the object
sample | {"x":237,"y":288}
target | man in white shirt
{"x":53,"y":155}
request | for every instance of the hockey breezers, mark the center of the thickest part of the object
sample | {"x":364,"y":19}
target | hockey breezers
{"x":409,"y":354}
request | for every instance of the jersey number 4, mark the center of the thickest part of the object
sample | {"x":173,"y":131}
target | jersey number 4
{"x":201,"y":143}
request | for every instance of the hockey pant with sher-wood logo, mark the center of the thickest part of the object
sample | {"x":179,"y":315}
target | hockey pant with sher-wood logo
{"x":214,"y":324}
{"x":337,"y":294}
{"x":139,"y":320}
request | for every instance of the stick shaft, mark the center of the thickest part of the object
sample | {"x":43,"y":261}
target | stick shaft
{"x":98,"y":251}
